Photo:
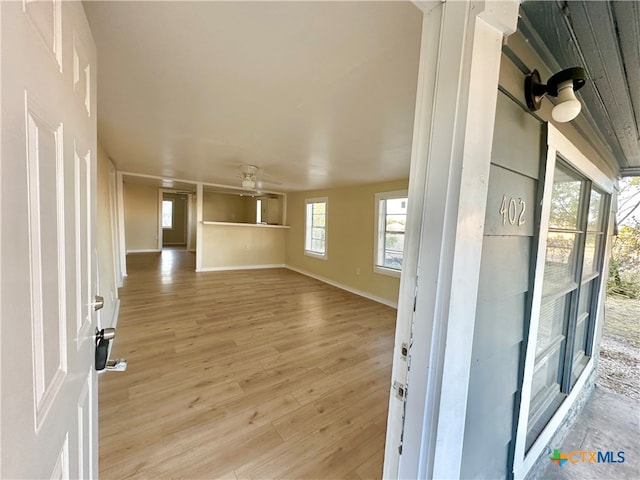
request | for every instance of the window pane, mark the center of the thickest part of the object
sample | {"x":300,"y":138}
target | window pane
{"x":317,"y":246}
{"x":319,"y":208}
{"x":397,"y":206}
{"x":550,"y":326}
{"x":565,"y":200}
{"x":394,"y":242}
{"x":317,"y":233}
{"x":546,"y":396}
{"x":585,"y":297}
{"x":591,"y":248}
{"x":396,"y":223}
{"x":595,"y":212}
{"x":318,"y":220}
{"x":580,"y":340}
{"x":559,"y":270}
{"x":546,"y":383}
{"x":167,"y":214}
{"x":393,"y":259}
{"x":391,"y":222}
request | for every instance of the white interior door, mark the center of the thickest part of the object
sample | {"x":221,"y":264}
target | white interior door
{"x":49,"y":387}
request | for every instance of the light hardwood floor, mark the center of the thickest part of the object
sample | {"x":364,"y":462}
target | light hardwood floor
{"x":247,"y":374}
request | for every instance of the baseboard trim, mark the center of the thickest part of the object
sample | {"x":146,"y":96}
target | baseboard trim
{"x":341,"y":286}
{"x":143,"y":250}
{"x":241,"y":267}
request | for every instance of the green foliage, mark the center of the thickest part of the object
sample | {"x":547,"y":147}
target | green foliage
{"x":624,"y":266}
{"x":565,"y":202}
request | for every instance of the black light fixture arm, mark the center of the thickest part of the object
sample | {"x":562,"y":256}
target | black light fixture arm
{"x":535,"y":90}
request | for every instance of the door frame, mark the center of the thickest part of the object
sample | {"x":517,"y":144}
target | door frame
{"x":187,"y":230}
{"x":450,"y":160}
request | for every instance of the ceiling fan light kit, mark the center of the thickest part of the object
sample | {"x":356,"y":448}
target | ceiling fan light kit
{"x":248,"y":184}
{"x":249,"y":176}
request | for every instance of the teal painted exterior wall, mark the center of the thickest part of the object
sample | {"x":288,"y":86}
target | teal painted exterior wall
{"x":505,"y":282}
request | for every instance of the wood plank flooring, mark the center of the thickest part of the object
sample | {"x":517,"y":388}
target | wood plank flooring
{"x":257,"y":374}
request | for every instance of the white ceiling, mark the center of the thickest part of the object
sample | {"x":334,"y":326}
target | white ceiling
{"x":317,"y":94}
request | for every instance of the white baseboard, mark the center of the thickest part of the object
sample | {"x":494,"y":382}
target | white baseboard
{"x":240,"y":267}
{"x":341,"y":286}
{"x":143,"y":250}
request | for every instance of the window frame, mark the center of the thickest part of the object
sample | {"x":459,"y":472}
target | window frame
{"x":308,"y":228}
{"x":558,"y":146}
{"x":380,"y":230}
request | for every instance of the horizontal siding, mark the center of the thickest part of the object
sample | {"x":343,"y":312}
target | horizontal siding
{"x":502,"y":294}
{"x":504,"y":269}
{"x":516,"y":138}
{"x":497,"y":332}
{"x":511,"y":202}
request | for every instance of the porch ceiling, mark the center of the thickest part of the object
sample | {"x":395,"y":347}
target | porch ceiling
{"x":603,"y":37}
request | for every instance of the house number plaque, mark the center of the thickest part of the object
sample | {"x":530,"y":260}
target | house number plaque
{"x":512,"y":210}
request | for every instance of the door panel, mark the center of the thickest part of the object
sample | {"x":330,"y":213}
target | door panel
{"x":47,"y":179}
{"x":45,"y":175}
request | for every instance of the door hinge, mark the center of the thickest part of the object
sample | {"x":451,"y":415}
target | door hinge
{"x":401,"y":390}
{"x":404,"y":351}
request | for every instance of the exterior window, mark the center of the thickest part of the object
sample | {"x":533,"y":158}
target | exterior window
{"x":167,"y":214}
{"x":391,"y":218}
{"x":315,"y":241}
{"x":258,"y":211}
{"x":571,"y":281}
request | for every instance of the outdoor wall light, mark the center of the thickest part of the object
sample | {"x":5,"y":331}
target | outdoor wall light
{"x":562,"y":85}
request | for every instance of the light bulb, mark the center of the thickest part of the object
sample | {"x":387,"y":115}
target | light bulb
{"x":568,"y":106}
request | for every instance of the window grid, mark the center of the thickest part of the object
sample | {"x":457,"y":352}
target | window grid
{"x":572,"y":276}
{"x":316,"y":227}
{"x":391,"y":217}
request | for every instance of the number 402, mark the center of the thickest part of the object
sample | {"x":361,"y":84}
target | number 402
{"x":512,"y":210}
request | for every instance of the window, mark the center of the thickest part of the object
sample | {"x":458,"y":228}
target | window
{"x":315,"y":238}
{"x":391,"y":218}
{"x":570,"y":285}
{"x":167,"y":213}
{"x":258,"y":211}
{"x":564,"y":309}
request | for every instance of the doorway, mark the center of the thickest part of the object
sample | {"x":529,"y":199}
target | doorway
{"x":174,"y":220}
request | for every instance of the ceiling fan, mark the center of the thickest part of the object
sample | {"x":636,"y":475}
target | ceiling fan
{"x":249,"y":176}
{"x":252,"y":177}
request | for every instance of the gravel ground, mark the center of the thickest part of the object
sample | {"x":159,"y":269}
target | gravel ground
{"x":619,"y":367}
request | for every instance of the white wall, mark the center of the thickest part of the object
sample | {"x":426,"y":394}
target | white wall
{"x":105,"y":241}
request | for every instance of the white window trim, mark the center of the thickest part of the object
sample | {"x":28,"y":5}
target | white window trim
{"x":557,"y":144}
{"x":309,"y":253}
{"x":377,"y":232}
